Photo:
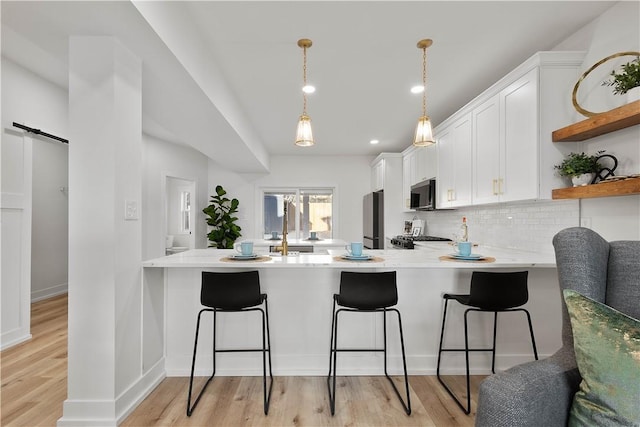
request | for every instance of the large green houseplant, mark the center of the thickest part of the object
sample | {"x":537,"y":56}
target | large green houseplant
{"x":220,"y":217}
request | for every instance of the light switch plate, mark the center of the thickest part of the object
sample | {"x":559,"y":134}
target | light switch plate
{"x":130,"y":209}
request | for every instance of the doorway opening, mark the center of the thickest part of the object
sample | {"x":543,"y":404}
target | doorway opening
{"x":179,"y":215}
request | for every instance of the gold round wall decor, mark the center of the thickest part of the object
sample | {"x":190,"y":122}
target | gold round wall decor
{"x":586,"y":73}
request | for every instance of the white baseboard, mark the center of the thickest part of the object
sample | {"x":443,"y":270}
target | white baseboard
{"x":111,"y":412}
{"x":42,"y":294}
{"x":15,"y":337}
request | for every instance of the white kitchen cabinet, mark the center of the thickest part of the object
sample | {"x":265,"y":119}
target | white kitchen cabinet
{"x":486,"y":151}
{"x":425,"y":167}
{"x":387,"y":175}
{"x":377,"y":174}
{"x":418,"y":164}
{"x":505,"y":146}
{"x":454,"y":150}
{"x":406,"y":180}
{"x":507,"y":131}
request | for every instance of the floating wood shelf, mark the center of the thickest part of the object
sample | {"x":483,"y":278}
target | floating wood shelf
{"x":606,"y":189}
{"x":600,"y":124}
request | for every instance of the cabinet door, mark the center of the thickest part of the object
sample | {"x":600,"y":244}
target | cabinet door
{"x":406,"y":182}
{"x":377,"y":176}
{"x":454,"y":164}
{"x":444,"y":183}
{"x":486,"y":151}
{"x":462,"y":162}
{"x":426,"y":158}
{"x":519,"y":173}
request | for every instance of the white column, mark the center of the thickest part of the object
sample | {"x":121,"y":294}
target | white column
{"x":105,"y":165}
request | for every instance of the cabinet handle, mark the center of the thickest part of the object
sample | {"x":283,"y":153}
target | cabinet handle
{"x":493,"y":187}
{"x":500,"y":182}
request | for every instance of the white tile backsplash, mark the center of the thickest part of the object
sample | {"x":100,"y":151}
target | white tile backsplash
{"x":521,"y":225}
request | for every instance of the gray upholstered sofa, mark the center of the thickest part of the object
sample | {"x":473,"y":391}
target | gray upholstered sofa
{"x":540,"y":393}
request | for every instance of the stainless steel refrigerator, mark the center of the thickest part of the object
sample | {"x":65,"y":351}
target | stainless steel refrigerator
{"x":373,"y":220}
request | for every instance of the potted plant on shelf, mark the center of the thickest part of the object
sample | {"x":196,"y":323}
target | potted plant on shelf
{"x":220,"y":217}
{"x":626,"y":80}
{"x":580,"y":167}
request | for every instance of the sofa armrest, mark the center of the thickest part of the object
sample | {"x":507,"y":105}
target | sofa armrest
{"x":533,"y":394}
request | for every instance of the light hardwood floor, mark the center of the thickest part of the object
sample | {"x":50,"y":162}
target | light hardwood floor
{"x":34,"y":385}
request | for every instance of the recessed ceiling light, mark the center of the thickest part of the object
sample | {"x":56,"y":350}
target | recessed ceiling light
{"x":417,"y":89}
{"x":308,"y":89}
{"x":373,"y":141}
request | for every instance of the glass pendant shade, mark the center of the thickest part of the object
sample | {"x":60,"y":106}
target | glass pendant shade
{"x":424,"y":133}
{"x":304,"y":135}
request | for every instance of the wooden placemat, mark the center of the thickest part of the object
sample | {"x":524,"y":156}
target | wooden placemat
{"x":450,"y":258}
{"x":374,"y":259}
{"x":258,"y":259}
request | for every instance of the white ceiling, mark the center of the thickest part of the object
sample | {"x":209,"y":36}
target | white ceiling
{"x":225,"y":77}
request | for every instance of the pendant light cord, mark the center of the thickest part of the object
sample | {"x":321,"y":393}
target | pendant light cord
{"x":304,"y":79}
{"x":424,"y":81}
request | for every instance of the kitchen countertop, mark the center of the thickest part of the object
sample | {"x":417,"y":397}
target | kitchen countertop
{"x":426,"y":256}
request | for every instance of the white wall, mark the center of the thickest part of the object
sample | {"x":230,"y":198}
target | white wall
{"x":348,"y":175}
{"x":617,"y":30}
{"x":34,"y":102}
{"x":162,"y":159}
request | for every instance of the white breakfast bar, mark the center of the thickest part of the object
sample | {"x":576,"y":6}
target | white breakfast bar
{"x":300,"y":290}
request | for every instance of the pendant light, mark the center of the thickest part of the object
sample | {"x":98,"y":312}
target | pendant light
{"x":304,"y":135}
{"x":424,"y":132}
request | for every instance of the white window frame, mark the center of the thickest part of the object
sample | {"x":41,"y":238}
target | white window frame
{"x":295,"y":190}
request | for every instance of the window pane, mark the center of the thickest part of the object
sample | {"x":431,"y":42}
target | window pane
{"x":316,"y":213}
{"x":274,"y":212}
{"x":185,"y":223}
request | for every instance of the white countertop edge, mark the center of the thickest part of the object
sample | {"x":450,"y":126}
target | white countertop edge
{"x":423,"y":258}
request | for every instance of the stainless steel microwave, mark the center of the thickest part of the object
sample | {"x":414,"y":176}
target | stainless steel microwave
{"x":423,"y":195}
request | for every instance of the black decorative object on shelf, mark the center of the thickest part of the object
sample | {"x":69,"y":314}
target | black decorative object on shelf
{"x":605,"y":172}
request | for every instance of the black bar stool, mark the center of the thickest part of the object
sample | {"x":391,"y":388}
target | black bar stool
{"x":233,"y":292}
{"x":366,"y":292}
{"x":491,"y":292}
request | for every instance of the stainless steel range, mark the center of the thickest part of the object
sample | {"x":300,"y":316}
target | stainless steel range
{"x":406,"y":242}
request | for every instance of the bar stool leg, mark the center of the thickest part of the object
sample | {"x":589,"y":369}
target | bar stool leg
{"x":407,"y":405}
{"x":533,"y":340}
{"x":493,"y":349}
{"x":333,"y":360}
{"x":193,"y":363}
{"x":466,"y":358}
{"x":440,"y":350}
{"x":266,"y":352}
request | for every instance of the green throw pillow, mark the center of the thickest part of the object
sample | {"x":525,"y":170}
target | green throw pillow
{"x":607,"y":347}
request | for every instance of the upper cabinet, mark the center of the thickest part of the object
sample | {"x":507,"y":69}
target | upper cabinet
{"x":387,"y":175}
{"x":505,"y":145}
{"x":418,"y":164}
{"x":377,"y":174}
{"x":497,"y":148}
{"x":453,"y":185}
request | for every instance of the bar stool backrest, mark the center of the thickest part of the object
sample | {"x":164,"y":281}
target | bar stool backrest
{"x":368,"y":291}
{"x":498,"y":291}
{"x":230,"y":291}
